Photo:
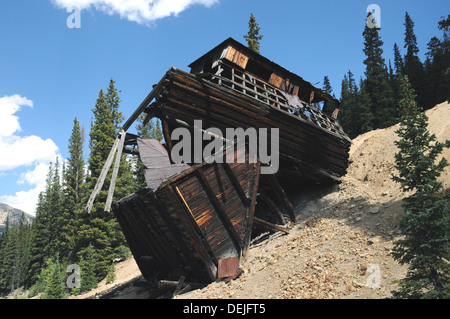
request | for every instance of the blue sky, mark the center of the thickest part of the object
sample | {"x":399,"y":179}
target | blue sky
{"x":50,"y":74}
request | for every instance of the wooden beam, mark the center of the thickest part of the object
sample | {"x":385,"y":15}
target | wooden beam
{"x":282,"y":196}
{"x":166,"y":134}
{"x":267,"y":225}
{"x":251,"y":211}
{"x":273,"y":208}
{"x":103,"y":174}
{"x":143,"y":105}
{"x":220,"y":210}
{"x":115,"y":172}
{"x":184,"y":201}
{"x":173,"y":284}
{"x":179,"y":286}
{"x":147,"y":119}
{"x":236,"y":184}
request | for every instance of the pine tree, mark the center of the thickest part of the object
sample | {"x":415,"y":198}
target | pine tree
{"x":5,"y":260}
{"x":437,"y":67}
{"x":410,"y":37}
{"x":55,"y":214}
{"x":253,"y":37}
{"x":157,"y":132}
{"x":413,"y":68}
{"x":54,"y":280}
{"x":444,"y":23}
{"x":144,"y":130}
{"x":40,"y":236}
{"x":87,"y":265}
{"x":47,"y":232}
{"x":376,"y":83}
{"x":25,"y":249}
{"x":125,"y":183}
{"x":74,"y":176}
{"x":14,"y":271}
{"x":101,"y":229}
{"x":150,"y":130}
{"x":347,"y":103}
{"x":434,"y":66}
{"x":92,"y":229}
{"x":328,"y":107}
{"x":355,"y":116}
{"x":37,"y":242}
{"x":426,"y":247}
{"x":14,"y":256}
{"x":398,"y":61}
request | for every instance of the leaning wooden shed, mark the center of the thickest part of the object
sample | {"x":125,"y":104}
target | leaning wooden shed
{"x":196,"y":223}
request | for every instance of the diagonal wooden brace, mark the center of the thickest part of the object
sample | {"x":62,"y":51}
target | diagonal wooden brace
{"x":112,"y":185}
{"x":103,"y":174}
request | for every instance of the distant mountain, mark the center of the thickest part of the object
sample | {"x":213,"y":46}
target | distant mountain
{"x":14,"y":216}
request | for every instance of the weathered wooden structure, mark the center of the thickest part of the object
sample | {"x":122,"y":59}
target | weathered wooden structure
{"x":196,"y":224}
{"x":195,"y":221}
{"x":232,"y":86}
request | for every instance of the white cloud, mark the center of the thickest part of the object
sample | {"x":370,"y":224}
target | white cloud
{"x":24,"y":200}
{"x":9,"y":123}
{"x":23,"y":151}
{"x":140,"y":11}
{"x":36,"y":176}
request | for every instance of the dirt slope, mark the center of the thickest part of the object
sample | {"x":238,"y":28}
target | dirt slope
{"x":126,"y":272}
{"x":340,"y":247}
{"x":344,"y":236}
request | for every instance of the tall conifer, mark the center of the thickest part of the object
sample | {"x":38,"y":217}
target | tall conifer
{"x":437,"y":67}
{"x":328,"y":107}
{"x":398,"y":60}
{"x":426,"y":247}
{"x":376,"y":83}
{"x":413,"y":68}
{"x":253,"y":37}
{"x":74,"y":176}
{"x":355,"y":116}
{"x":40,"y":243}
{"x":100,"y":229}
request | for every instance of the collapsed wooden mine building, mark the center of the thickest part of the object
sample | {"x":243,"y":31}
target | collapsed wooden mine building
{"x":195,"y":221}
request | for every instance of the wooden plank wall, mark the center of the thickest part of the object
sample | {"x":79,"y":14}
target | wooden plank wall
{"x":237,"y":57}
{"x":188,"y":99}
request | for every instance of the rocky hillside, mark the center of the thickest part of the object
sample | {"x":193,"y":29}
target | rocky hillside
{"x":340,"y":248}
{"x":14,"y":216}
